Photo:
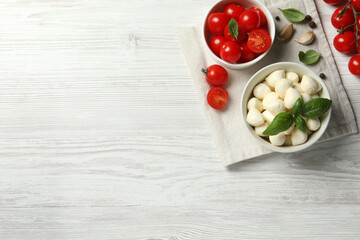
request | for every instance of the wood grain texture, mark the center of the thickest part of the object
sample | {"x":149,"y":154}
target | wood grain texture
{"x":102,"y":137}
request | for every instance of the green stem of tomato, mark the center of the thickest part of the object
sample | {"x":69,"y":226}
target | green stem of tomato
{"x":204,"y":71}
{"x":356,"y":26}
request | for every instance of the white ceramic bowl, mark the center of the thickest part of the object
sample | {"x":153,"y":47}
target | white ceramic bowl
{"x":219,"y":7}
{"x":259,"y":77}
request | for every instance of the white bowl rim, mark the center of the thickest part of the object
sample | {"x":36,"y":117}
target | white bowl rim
{"x":287,"y":149}
{"x":252,"y":62}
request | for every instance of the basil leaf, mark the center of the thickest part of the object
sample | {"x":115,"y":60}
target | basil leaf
{"x":316,"y":107}
{"x":300,"y":123}
{"x":293,"y":15}
{"x":310,"y":57}
{"x":281,"y":122}
{"x":298,"y":107}
{"x":233,"y":28}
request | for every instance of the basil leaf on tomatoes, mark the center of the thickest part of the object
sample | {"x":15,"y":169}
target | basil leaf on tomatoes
{"x":233,"y":28}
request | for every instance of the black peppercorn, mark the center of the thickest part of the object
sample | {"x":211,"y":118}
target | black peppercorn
{"x":312,"y":24}
{"x":322,"y":75}
{"x":277,"y":18}
{"x":308,"y":17}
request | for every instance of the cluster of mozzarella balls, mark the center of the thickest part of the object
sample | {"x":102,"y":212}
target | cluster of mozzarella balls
{"x":278,"y":93}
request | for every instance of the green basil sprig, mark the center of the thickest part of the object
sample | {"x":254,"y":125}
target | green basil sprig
{"x":312,"y":109}
{"x":293,"y":15}
{"x":233,"y":28}
{"x":310,"y":57}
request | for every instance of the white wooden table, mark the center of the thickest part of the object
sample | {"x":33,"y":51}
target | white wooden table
{"x":102,"y":137}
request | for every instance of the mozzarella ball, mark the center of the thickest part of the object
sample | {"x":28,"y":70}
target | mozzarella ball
{"x":287,"y":140}
{"x":268,"y":116}
{"x":256,"y":103}
{"x":276,"y":107}
{"x":292,"y":76}
{"x":277,"y":140}
{"x":269,"y":98}
{"x":297,"y":87}
{"x":290,"y":97}
{"x":315,"y":96}
{"x":274,"y":77}
{"x":288,"y":132}
{"x":309,"y":85}
{"x":282,"y":86}
{"x":306,"y":97}
{"x":298,"y":137}
{"x":313,"y":124}
{"x":261,"y":90}
{"x":254,"y":117}
{"x":260,"y":129}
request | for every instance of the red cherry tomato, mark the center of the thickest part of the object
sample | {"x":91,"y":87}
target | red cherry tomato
{"x":230,"y":52}
{"x":217,"y":22}
{"x":216,"y":75}
{"x":216,"y":44}
{"x":332,"y":2}
{"x":250,"y":19}
{"x":240,"y":37}
{"x":233,"y":10}
{"x":339,"y":22}
{"x":346,"y":42}
{"x":217,"y":97}
{"x":358,"y":48}
{"x":263,"y":20}
{"x":259,"y":41}
{"x":356,"y":5}
{"x":354,"y":65}
{"x":247,"y":55}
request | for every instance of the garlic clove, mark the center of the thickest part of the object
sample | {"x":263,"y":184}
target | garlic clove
{"x":286,"y":33}
{"x":307,"y":38}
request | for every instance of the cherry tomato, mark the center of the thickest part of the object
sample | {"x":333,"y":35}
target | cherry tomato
{"x":247,"y":55}
{"x":259,"y":41}
{"x":346,"y":42}
{"x":356,"y":5}
{"x":339,"y":22}
{"x":263,"y":20}
{"x":217,"y":22}
{"x":216,"y":44}
{"x":216,"y":75}
{"x":230,"y":52}
{"x":358,"y":48}
{"x":354,"y":65}
{"x":332,"y":2}
{"x":250,"y":19}
{"x":233,"y":10}
{"x":241,"y":36}
{"x":217,"y":97}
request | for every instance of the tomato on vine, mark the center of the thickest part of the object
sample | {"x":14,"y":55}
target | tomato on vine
{"x":354,"y":65}
{"x":345,"y":42}
{"x":341,"y":21}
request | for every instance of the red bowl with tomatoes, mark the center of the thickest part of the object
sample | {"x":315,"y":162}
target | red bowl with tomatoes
{"x":238,"y":33}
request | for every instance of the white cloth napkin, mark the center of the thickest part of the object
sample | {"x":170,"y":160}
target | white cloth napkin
{"x":228,"y":129}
